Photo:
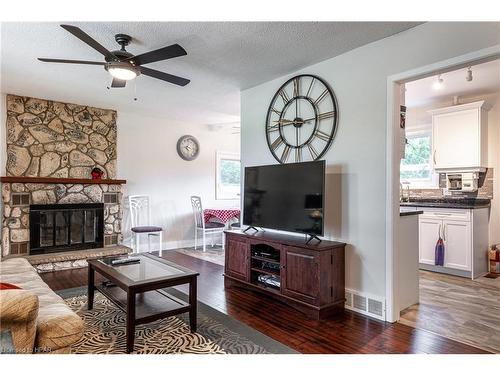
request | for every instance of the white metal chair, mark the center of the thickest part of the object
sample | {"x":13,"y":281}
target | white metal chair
{"x":210,"y":228}
{"x":140,"y":217}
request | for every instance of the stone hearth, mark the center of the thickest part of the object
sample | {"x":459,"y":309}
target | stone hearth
{"x":72,"y":259}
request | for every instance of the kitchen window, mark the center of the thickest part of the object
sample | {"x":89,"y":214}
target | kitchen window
{"x":416,"y":168}
{"x":228,"y":175}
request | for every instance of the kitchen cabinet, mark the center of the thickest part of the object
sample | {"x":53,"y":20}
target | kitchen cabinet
{"x":465,"y":236}
{"x":457,"y":239}
{"x":429,"y":230}
{"x":460,"y":137}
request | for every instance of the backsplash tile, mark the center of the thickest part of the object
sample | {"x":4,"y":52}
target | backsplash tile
{"x":485,"y":190}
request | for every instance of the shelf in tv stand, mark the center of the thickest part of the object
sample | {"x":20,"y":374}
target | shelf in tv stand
{"x":265,"y":272}
{"x":264,"y":259}
{"x":269,"y":288}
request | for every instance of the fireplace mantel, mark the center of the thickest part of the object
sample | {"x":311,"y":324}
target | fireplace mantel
{"x":51,"y":180}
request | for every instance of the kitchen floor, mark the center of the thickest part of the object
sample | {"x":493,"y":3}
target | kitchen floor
{"x":461,"y":309}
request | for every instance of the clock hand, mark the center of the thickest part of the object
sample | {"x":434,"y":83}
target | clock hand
{"x":309,"y":119}
{"x":284,"y":122}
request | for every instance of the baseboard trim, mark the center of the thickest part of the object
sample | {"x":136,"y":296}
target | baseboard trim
{"x":448,"y":271}
{"x":167,"y":245}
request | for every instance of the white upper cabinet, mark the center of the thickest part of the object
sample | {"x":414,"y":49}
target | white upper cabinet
{"x":460,"y":137}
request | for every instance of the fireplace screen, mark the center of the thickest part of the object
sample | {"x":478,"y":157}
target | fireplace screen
{"x":61,"y":227}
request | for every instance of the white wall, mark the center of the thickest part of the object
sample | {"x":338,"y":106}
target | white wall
{"x":148,"y":160}
{"x":3,"y":134}
{"x":418,"y":116}
{"x":3,"y":147}
{"x":356,"y":165}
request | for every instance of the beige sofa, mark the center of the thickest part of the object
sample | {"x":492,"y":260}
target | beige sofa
{"x":38,"y":319}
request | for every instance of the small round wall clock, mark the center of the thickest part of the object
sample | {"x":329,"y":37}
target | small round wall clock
{"x":301,"y":120}
{"x":188,"y":147}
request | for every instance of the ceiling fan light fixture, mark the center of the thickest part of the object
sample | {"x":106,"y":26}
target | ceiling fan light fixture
{"x":121,"y":73}
{"x":121,"y":64}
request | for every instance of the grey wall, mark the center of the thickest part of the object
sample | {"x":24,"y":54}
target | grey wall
{"x":356,"y":162}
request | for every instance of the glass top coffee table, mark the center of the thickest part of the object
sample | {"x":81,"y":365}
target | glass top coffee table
{"x":136,"y":289}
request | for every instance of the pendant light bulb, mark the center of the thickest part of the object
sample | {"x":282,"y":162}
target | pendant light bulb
{"x":469,"y":77}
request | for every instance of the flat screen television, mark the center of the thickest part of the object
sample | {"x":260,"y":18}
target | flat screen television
{"x":288,"y":197}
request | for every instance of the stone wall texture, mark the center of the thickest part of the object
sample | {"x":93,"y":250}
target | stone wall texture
{"x":53,"y":139}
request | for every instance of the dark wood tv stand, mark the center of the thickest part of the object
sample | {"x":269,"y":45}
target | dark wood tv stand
{"x":310,"y":274}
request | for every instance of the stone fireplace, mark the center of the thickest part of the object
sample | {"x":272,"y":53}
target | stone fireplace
{"x":52,"y":148}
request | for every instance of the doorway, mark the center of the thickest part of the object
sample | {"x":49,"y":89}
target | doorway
{"x":448,"y":302}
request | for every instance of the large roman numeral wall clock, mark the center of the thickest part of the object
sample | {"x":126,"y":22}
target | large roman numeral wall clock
{"x":301,"y":120}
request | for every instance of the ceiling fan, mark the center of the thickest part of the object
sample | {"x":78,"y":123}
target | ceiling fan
{"x":122,"y":65}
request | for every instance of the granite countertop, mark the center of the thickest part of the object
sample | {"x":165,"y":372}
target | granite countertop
{"x":410,"y":213}
{"x":467,"y":203}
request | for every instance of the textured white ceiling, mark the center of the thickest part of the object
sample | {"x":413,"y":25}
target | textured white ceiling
{"x":223,"y":58}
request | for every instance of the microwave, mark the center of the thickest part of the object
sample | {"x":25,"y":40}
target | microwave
{"x":462,"y":181}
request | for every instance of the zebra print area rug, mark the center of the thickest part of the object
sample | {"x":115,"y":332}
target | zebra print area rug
{"x":104,"y":331}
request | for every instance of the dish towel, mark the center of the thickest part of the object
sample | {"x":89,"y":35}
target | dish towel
{"x":439,"y":253}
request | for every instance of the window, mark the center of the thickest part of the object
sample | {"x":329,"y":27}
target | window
{"x":416,"y":167}
{"x":228,"y":176}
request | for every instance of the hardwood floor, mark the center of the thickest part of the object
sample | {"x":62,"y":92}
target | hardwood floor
{"x":459,"y":308}
{"x":347,"y":333}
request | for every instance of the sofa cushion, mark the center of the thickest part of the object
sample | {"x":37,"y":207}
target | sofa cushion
{"x":57,"y":325}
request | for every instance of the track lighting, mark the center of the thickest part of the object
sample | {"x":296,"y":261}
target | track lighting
{"x":469,"y":77}
{"x":438,"y":85}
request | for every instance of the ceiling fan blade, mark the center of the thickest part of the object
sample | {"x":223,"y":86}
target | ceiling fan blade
{"x":164,"y":53}
{"x":84,"y":37}
{"x":118,"y":83}
{"x":164,"y":76}
{"x":72,"y":61}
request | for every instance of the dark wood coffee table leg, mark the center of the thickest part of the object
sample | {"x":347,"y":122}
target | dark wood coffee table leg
{"x":193,"y":301}
{"x":91,"y":288}
{"x":130,"y":321}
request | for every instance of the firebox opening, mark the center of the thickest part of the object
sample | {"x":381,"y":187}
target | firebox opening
{"x":63,"y":227}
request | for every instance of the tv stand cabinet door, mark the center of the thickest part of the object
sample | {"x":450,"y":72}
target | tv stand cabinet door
{"x":237,"y":259}
{"x":300,"y":274}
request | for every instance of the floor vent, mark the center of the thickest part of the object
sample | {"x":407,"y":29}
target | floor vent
{"x":359,"y":302}
{"x":368,"y":305}
{"x":348,"y":299}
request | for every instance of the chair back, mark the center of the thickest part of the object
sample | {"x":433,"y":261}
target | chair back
{"x":199,"y":220}
{"x":140,"y":211}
